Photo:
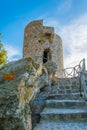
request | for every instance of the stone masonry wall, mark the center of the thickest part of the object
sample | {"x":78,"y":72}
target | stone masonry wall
{"x":66,"y":85}
{"x":37,"y":38}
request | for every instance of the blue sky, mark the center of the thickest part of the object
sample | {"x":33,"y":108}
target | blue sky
{"x":69,"y":17}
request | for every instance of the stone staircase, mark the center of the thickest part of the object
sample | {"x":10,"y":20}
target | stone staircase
{"x":64,"y":110}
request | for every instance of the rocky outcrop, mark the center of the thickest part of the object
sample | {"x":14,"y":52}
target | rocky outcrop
{"x":21,"y":82}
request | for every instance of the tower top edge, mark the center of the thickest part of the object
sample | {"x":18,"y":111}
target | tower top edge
{"x":34,"y":23}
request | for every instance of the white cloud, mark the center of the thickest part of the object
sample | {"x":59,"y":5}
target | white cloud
{"x":12,"y":53}
{"x":74,"y":38}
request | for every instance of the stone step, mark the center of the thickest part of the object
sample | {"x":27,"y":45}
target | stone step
{"x":67,"y":85}
{"x":65,"y":96}
{"x":70,"y":81}
{"x":64,"y":91}
{"x":53,"y":114}
{"x":66,"y":104}
{"x":61,"y":126}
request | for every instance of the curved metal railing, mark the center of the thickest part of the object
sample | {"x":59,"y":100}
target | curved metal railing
{"x":80,"y":72}
{"x":73,"y":71}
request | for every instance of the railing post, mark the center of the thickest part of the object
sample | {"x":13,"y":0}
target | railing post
{"x":83,"y":79}
{"x":74,"y":72}
{"x":84,"y":67}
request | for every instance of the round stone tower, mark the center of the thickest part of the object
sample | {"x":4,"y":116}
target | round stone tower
{"x":42,"y":44}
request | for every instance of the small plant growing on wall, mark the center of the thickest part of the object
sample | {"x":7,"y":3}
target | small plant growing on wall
{"x":42,"y":37}
{"x":51,"y":38}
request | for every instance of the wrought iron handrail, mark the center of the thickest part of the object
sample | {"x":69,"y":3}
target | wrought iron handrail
{"x":80,"y":72}
{"x":70,"y":72}
{"x":73,"y":71}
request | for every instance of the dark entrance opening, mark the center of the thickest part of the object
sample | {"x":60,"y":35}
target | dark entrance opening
{"x":46,"y":55}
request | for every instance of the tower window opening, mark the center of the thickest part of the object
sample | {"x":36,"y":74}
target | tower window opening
{"x":46,"y":55}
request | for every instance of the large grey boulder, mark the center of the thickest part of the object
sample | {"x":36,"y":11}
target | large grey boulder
{"x":16,"y":92}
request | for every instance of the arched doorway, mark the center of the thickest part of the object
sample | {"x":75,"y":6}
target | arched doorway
{"x":46,"y":55}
